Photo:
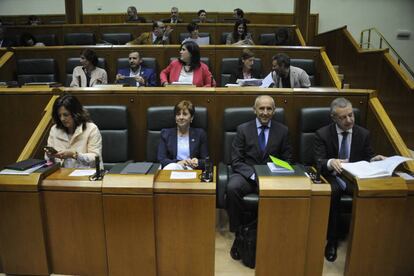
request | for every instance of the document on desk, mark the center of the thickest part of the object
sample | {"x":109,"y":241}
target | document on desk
{"x":25,"y":172}
{"x":183,"y":175}
{"x":82,"y":172}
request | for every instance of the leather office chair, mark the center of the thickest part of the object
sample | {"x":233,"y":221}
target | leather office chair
{"x":79,"y":39}
{"x":47,"y":39}
{"x":232,"y":118}
{"x":231,"y":65}
{"x":36,"y":70}
{"x":306,"y":64}
{"x":267,"y":39}
{"x":112,"y":121}
{"x":185,"y":35}
{"x":205,"y":60}
{"x":159,"y":117}
{"x":311,"y":119}
{"x":71,"y":63}
{"x":116,"y":38}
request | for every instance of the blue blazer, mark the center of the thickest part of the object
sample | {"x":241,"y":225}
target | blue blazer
{"x":147,"y":73}
{"x":167,"y":148}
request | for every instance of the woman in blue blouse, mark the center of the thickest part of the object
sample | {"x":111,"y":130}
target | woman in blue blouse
{"x":182,"y":147}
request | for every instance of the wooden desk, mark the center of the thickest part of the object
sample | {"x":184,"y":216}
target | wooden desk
{"x":128,"y":204}
{"x":22,"y":242}
{"x":292,"y":223}
{"x":75,"y":224}
{"x":184,"y":225}
{"x":377,"y":219}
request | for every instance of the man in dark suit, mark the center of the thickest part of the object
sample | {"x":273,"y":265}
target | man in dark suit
{"x":174,"y":17}
{"x":254,"y":142}
{"x":339,"y":142}
{"x":142,"y":75}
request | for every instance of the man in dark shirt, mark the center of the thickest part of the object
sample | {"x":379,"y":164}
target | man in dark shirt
{"x":133,"y":16}
{"x":174,"y":17}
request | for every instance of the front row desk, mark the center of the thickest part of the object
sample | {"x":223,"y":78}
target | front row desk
{"x":153,"y":225}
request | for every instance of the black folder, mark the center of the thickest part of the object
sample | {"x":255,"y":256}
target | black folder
{"x":25,"y":164}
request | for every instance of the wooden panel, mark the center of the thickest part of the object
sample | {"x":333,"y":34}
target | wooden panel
{"x":375,"y":229}
{"x":406,"y":247}
{"x":185,"y":234}
{"x":285,"y":186}
{"x":76,"y":235}
{"x":318,"y":224}
{"x":22,"y":243}
{"x":282,"y":236}
{"x":130,"y":234}
{"x":73,"y":11}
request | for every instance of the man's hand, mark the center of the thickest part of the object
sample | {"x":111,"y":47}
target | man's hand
{"x":378,"y":158}
{"x":168,"y":31}
{"x":119,"y":77}
{"x":140,"y":79}
{"x":336,"y":164}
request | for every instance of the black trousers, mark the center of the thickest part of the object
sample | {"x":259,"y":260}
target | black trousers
{"x":335,"y":208}
{"x":237,"y":188}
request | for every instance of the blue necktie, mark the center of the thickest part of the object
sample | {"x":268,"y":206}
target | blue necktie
{"x":262,"y":138}
{"x":343,"y":151}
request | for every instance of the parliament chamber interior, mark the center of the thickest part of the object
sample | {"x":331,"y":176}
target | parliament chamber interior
{"x":53,"y":223}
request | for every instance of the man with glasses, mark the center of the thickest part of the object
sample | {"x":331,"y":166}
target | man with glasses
{"x":339,"y":142}
{"x":160,"y":35}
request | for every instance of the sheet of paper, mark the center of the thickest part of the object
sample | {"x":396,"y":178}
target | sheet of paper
{"x":281,"y":163}
{"x":82,"y":172}
{"x":203,"y":40}
{"x":267,"y":81}
{"x":183,"y":175}
{"x":26,"y":172}
{"x":232,"y":85}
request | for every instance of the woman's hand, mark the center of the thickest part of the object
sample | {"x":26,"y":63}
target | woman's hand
{"x":64,"y":154}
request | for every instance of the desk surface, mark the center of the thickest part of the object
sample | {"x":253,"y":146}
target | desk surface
{"x":61,"y":181}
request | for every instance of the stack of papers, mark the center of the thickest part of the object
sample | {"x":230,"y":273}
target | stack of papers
{"x":249,"y":82}
{"x":279,"y":166}
{"x":25,"y":172}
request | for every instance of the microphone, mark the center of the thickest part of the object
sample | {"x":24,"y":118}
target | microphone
{"x":207,"y":174}
{"x":97,"y":167}
{"x":318,"y":171}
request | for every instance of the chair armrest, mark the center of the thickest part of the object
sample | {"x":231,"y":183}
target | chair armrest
{"x":222,"y":179}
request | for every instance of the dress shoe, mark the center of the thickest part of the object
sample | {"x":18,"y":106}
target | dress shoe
{"x":234,"y":251}
{"x":330,"y":251}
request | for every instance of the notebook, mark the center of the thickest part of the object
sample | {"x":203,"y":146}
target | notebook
{"x":25,"y":164}
{"x":137,"y":168}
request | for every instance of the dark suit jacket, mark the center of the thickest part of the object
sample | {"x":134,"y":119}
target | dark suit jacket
{"x":6,"y":43}
{"x":326,"y":145}
{"x":147,"y":73}
{"x":239,"y":75}
{"x":168,"y":20}
{"x":139,"y":19}
{"x":167,"y":148}
{"x":246,"y":152}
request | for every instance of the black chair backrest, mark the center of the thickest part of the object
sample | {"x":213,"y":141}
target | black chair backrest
{"x":224,"y":37}
{"x":306,"y":64}
{"x":185,"y":35}
{"x":148,"y":62}
{"x":116,"y":38}
{"x":205,"y":60}
{"x":235,"y":116}
{"x":112,"y":121}
{"x":312,"y":119}
{"x":79,"y":39}
{"x":159,"y":117}
{"x":71,"y":63}
{"x":230,"y":66}
{"x":47,"y":39}
{"x":267,"y":39}
{"x":36,"y":70}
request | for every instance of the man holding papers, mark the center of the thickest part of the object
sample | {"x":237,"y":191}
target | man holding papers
{"x":342,"y":141}
{"x":254,"y":142}
{"x":142,"y":76}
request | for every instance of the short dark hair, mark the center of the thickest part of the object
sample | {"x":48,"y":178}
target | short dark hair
{"x":201,"y":11}
{"x":25,"y":37}
{"x":90,"y":55}
{"x":71,"y":103}
{"x":235,"y":34}
{"x":239,"y":12}
{"x":184,"y":104}
{"x":246,"y":53}
{"x":194,"y":50}
{"x":192,"y":27}
{"x":282,"y":59}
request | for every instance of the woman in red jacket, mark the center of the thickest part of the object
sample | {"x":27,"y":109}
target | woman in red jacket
{"x":188,"y":68}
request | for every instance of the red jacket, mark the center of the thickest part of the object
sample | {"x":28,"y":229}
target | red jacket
{"x":201,"y":76}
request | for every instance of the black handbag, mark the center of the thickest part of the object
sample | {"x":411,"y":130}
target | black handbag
{"x":247,"y":243}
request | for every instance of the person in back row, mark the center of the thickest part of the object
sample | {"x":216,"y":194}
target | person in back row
{"x":245,"y":69}
{"x":28,"y":40}
{"x":339,"y":142}
{"x":238,"y":14}
{"x":133,"y":16}
{"x":239,"y":36}
{"x":143,"y":76}
{"x":174,"y":17}
{"x":159,"y":35}
{"x":182,"y":147}
{"x":286,"y":76}
{"x":88,"y":73}
{"x":202,"y":17}
{"x":254,"y":142}
{"x":74,"y":140}
{"x":188,"y":68}
{"x":192,"y":28}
